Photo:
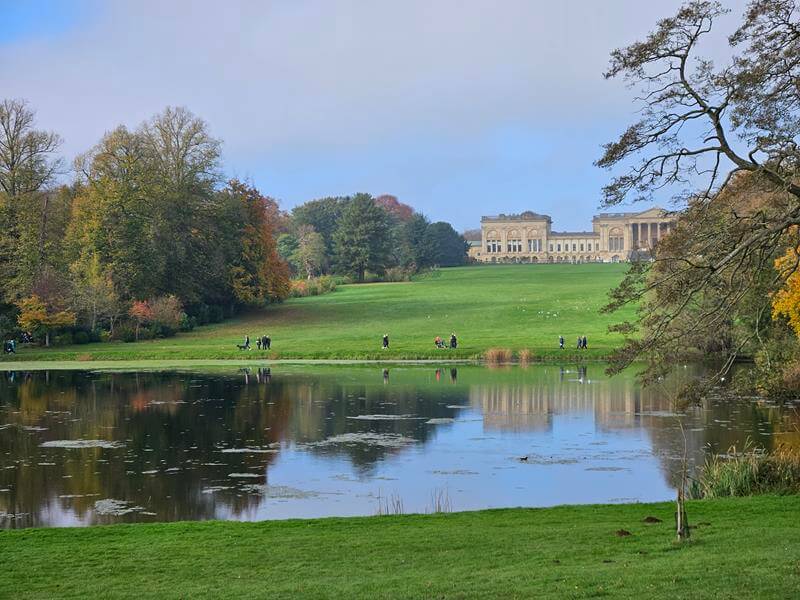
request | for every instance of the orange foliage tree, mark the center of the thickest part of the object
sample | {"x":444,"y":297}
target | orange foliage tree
{"x":786,"y":301}
{"x":37,"y":317}
{"x":259,"y":274}
{"x":141,"y":312}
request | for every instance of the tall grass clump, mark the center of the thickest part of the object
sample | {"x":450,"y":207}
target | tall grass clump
{"x":750,"y":472}
{"x":496,"y":356}
{"x":524,"y":356}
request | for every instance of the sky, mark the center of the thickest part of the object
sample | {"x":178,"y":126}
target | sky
{"x":460,"y":108}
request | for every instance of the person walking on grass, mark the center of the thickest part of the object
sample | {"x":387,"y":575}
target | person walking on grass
{"x":453,"y":341}
{"x":265,"y":342}
{"x":247,"y":342}
{"x":561,"y":342}
{"x":580,"y":342}
{"x":385,"y":341}
{"x":585,"y":344}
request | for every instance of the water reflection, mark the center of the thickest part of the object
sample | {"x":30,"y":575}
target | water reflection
{"x":79,"y":448}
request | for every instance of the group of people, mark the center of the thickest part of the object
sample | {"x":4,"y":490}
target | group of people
{"x":10,"y":346}
{"x":582,"y":343}
{"x":262,"y":343}
{"x":438,"y":341}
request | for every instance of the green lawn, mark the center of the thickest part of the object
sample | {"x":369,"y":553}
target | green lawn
{"x":510,"y":306}
{"x":740,"y":548}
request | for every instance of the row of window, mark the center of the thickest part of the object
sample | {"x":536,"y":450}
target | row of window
{"x":574,"y":247}
{"x":536,"y":246}
{"x":616,"y":243}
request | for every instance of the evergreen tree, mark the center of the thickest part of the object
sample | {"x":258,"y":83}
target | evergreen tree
{"x":361,"y":238}
{"x":447,"y":247}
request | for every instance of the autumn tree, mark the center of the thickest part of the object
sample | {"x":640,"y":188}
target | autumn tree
{"x":36,"y":316}
{"x":309,"y":254}
{"x":701,"y":128}
{"x":142,"y":313}
{"x":27,"y":166}
{"x":786,"y":301}
{"x":400,"y":211}
{"x":94,"y":294}
{"x":258,"y":275}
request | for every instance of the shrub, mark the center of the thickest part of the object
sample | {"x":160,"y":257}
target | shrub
{"x":125,"y":332}
{"x":166,"y":316}
{"x":327,"y":284}
{"x":187,"y":323}
{"x":81,"y":337}
{"x":301,"y":288}
{"x":524,"y":356}
{"x":398,"y":274}
{"x":63,"y":339}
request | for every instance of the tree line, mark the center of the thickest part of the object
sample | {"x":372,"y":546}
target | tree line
{"x":149,"y":238}
{"x":360,"y":235}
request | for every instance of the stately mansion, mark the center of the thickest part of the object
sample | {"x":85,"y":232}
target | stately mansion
{"x":528,"y":237}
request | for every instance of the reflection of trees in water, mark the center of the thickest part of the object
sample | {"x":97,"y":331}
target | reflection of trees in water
{"x":321,"y":408}
{"x":166,"y":420}
{"x":177,"y":424}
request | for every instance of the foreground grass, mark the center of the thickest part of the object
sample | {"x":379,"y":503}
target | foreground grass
{"x":741,"y":548}
{"x":512,"y":306}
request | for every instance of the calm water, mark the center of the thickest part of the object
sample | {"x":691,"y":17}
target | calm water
{"x":80,"y":447}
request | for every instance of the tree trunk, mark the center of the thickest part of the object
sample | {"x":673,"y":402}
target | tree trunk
{"x":681,"y":523}
{"x":47,"y":339}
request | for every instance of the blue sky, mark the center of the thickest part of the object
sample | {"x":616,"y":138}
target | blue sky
{"x":459,"y":108}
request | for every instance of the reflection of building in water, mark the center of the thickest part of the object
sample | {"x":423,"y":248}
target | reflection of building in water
{"x":531,"y":406}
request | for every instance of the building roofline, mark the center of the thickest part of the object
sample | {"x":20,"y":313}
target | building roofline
{"x":574,"y":234}
{"x":628,"y":215}
{"x":523,"y":216}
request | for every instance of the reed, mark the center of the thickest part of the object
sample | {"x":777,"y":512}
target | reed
{"x":497,"y":356}
{"x":440,"y":501}
{"x":750,"y":471}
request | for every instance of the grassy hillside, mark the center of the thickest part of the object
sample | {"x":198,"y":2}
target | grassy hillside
{"x":510,"y":306}
{"x":740,"y":548}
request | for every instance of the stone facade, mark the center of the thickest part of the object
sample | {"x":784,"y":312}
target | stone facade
{"x":528,"y":237}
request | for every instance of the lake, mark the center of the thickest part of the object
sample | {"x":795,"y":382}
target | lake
{"x":86,"y":447}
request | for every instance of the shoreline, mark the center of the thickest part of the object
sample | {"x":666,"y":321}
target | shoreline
{"x":39,"y":364}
